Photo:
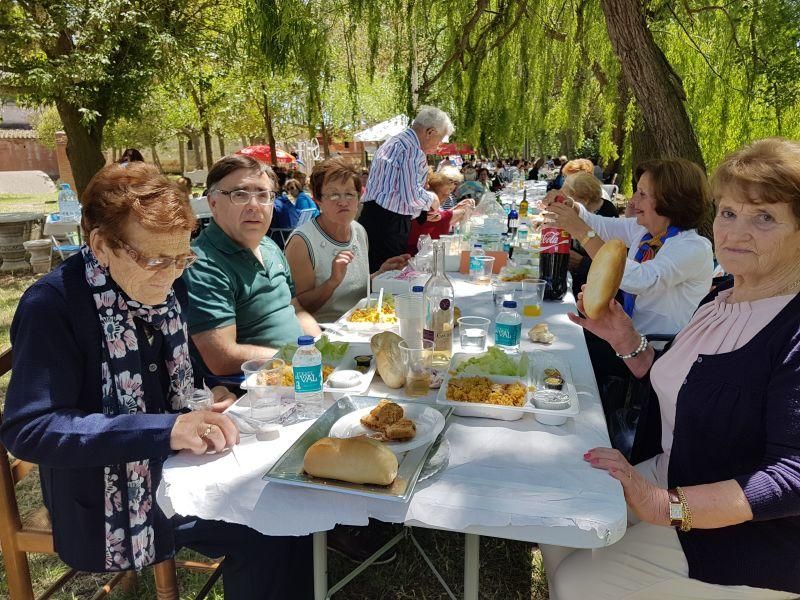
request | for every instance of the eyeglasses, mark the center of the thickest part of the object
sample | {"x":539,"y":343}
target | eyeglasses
{"x":159,"y":264}
{"x":338,"y":197}
{"x":242,"y":197}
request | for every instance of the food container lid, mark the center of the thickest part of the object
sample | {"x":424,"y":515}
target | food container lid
{"x":551,"y":399}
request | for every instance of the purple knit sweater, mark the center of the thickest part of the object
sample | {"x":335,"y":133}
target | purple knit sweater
{"x":738,"y":417}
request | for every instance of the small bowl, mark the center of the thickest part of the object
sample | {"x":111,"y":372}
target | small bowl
{"x":346,"y":378}
{"x":551,"y":400}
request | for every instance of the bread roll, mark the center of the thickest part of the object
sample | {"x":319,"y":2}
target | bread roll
{"x":604,"y":278}
{"x":357,"y":460}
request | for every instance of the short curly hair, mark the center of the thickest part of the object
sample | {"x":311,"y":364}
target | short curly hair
{"x":136,"y":191}
{"x":681,"y":190}
{"x":336,"y":168}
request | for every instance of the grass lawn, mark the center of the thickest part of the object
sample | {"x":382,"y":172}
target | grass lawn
{"x":509,"y":570}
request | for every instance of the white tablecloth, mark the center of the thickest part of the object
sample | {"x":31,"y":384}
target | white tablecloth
{"x":517,"y":480}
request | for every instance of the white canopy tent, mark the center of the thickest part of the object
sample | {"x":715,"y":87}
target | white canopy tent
{"x":382,"y":131}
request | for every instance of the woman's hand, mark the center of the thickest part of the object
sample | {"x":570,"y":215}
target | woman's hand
{"x":203,"y":430}
{"x":561,"y":215}
{"x":339,"y":266}
{"x":466,"y":203}
{"x":615,"y":327}
{"x":648,"y":501}
{"x":223,"y":398}
{"x":552,"y":197}
{"x":396,"y":263}
{"x":434,"y":216}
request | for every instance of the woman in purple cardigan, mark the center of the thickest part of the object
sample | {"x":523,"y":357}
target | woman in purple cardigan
{"x":98,"y":392}
{"x":717,"y":513}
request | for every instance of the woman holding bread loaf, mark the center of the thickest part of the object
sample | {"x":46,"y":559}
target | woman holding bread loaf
{"x":716,"y":514}
{"x":100,"y":382}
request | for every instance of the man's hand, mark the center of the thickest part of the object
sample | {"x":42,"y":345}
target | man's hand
{"x":396,"y":263}
{"x":339,"y":266}
{"x":223,"y":398}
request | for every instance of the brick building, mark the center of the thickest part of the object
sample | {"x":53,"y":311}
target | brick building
{"x":20,"y":149}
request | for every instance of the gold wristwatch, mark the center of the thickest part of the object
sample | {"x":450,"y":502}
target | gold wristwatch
{"x":679,"y":514}
{"x":590,"y":235}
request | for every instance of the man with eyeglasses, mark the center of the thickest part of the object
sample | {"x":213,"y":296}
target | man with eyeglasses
{"x":396,"y":191}
{"x":242,"y":303}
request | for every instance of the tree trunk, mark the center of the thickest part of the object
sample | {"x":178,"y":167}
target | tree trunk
{"x":156,"y":159}
{"x":658,"y":89}
{"x":221,"y":141}
{"x":182,"y":155}
{"x":207,"y":143}
{"x":244,"y":141}
{"x":273,"y":150}
{"x":618,"y":133}
{"x":84,"y":145}
{"x":326,"y":147}
{"x":114,"y":154}
{"x":198,"y":157}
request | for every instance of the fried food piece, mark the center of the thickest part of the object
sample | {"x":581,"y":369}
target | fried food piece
{"x":402,"y":430}
{"x":383,"y":415}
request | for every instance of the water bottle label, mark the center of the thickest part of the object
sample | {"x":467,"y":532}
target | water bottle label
{"x":506,"y":334}
{"x":474,"y":264}
{"x":307,"y":379}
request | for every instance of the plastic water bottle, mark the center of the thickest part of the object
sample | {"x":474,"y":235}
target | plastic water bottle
{"x":68,"y":206}
{"x":508,"y":327}
{"x":475,"y":266}
{"x":522,"y":234}
{"x":307,"y":371}
{"x":506,"y":244}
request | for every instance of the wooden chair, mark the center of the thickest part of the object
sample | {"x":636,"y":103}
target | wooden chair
{"x":33,"y":534}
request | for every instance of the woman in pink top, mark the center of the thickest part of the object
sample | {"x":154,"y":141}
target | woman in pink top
{"x":717,"y":513}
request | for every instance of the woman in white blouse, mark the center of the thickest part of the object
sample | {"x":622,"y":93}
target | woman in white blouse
{"x":328,"y":255}
{"x":669,"y":267}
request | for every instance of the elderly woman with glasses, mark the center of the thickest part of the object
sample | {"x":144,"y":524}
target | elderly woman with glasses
{"x":328,"y":256}
{"x":101,"y":378}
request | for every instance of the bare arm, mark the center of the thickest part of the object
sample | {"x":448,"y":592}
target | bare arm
{"x":308,"y":296}
{"x":222,"y":354}
{"x":308,"y":323}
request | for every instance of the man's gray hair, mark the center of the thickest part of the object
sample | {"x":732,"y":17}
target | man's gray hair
{"x":435,"y":118}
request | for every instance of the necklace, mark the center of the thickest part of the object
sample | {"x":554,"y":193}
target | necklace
{"x":789,"y":288}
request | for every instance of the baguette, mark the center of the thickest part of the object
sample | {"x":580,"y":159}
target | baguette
{"x":356,"y":460}
{"x":604,"y":278}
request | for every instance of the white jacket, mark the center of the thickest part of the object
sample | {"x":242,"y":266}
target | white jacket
{"x":669,"y":287}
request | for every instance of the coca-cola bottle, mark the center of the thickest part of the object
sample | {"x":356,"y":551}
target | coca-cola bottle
{"x":554,"y":259}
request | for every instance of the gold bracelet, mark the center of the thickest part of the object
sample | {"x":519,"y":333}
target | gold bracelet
{"x":687,"y":519}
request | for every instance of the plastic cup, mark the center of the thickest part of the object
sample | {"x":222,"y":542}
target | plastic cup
{"x":485,"y":273}
{"x":502,"y":291}
{"x":200,"y":400}
{"x":418,"y":365}
{"x":531,"y":296}
{"x":473,"y":331}
{"x":263,"y":378}
{"x":408,"y":309}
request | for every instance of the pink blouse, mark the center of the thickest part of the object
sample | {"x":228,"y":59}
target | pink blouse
{"x":716,"y":328}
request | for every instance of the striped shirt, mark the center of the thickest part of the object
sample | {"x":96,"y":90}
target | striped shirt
{"x":398,"y":175}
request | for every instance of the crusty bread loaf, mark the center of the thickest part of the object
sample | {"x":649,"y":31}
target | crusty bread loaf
{"x":357,"y":460}
{"x":604,"y":278}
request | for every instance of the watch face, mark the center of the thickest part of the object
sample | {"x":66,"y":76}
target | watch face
{"x":675,"y":511}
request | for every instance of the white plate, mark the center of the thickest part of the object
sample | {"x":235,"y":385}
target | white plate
{"x":429,"y":424}
{"x":343,"y":323}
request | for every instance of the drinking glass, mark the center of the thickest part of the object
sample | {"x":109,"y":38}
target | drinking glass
{"x":485,"y":274}
{"x":264,"y":378}
{"x":502,"y":291}
{"x":408,"y":308}
{"x":200,"y":400}
{"x":531,"y":296}
{"x":418,"y":364}
{"x":473,"y":331}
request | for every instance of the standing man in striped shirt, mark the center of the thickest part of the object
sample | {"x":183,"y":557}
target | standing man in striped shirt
{"x":396,"y":186}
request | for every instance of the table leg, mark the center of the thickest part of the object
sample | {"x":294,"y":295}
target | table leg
{"x":471,"y":566}
{"x":320,"y":565}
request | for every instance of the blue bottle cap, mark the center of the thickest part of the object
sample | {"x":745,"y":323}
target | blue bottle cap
{"x":305,"y":340}
{"x":509,"y":304}
{"x":478,"y":246}
{"x":417,"y":288}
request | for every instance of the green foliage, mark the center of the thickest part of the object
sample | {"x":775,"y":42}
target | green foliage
{"x":46,"y":122}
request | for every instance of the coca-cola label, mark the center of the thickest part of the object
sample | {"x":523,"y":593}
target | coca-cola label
{"x":555,"y":241}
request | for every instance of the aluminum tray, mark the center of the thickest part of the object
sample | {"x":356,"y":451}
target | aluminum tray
{"x":289,"y":467}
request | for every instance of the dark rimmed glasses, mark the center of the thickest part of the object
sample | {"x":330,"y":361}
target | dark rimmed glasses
{"x":242,"y":197}
{"x":159,"y":263}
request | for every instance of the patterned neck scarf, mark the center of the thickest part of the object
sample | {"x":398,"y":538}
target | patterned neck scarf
{"x":648,"y":248}
{"x":130,"y":537}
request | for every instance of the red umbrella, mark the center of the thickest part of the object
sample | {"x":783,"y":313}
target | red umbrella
{"x":263,"y":153}
{"x":454,"y":148}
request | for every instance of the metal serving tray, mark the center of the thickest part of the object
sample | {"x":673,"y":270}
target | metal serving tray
{"x":289,"y":467}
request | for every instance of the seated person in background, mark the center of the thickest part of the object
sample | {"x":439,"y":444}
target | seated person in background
{"x":293,"y":207}
{"x":583,"y":165}
{"x":585,"y":188}
{"x":715,"y":513}
{"x":454,"y":176}
{"x":241,"y":290}
{"x":99,"y":388}
{"x":436,"y":222}
{"x":669,"y":265}
{"x":470,"y":188}
{"x":185,"y":184}
{"x":329,"y":255}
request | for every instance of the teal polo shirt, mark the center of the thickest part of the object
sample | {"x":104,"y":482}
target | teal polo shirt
{"x":229,"y":286}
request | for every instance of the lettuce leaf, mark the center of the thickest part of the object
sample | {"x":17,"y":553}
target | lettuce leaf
{"x":332,"y":352}
{"x":494,"y":362}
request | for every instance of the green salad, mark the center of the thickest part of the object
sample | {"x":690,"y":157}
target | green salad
{"x":332,"y":352}
{"x":494,"y":362}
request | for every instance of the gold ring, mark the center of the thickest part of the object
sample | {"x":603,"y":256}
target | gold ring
{"x":207,"y":432}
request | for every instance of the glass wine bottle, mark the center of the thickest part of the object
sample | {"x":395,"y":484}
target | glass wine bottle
{"x":438,"y":298}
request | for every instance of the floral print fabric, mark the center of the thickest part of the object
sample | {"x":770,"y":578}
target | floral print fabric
{"x":129,"y":487}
